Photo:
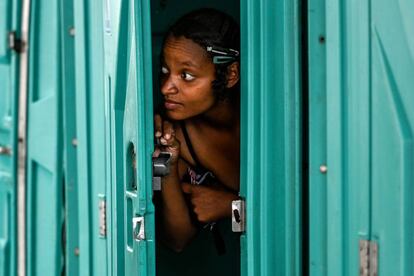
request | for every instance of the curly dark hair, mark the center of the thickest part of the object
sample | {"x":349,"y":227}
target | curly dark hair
{"x":210,"y":28}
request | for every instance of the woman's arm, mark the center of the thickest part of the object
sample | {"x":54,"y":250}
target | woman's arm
{"x":177,"y":228}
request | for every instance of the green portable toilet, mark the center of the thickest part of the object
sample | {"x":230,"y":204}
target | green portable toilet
{"x":271,"y":156}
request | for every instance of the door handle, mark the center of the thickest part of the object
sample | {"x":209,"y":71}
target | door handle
{"x":238,"y":219}
{"x":138,"y":228}
{"x":160,"y":168}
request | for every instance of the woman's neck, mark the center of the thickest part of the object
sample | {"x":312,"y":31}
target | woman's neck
{"x":225,"y":114}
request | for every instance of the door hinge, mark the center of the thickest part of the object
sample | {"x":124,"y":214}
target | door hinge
{"x":5,"y":150}
{"x":102,"y":216}
{"x":368,"y":258}
{"x":15,"y":43}
{"x":238,"y":215}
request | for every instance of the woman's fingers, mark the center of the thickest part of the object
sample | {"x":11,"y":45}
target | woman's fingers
{"x":164,"y":130}
{"x":168,"y":132}
{"x":158,"y":126}
{"x":210,"y":204}
{"x":165,"y":135}
{"x":156,"y":152}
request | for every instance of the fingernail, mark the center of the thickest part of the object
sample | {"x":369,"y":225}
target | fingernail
{"x":167,"y":136}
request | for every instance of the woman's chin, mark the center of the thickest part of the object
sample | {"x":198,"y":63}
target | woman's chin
{"x":176,"y":116}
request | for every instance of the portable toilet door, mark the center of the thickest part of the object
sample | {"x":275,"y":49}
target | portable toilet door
{"x":9,"y":89}
{"x":87,"y":217}
{"x":271,"y":137}
{"x":361,"y":137}
{"x":129,"y":99}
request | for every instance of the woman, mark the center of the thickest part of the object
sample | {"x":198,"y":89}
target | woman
{"x":200,"y":74}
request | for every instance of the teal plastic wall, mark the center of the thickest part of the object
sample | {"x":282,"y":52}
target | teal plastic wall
{"x":90,"y":134}
{"x":317,"y":261}
{"x":71,"y":209}
{"x":361,"y":128}
{"x":44,"y":143}
{"x":9,"y":20}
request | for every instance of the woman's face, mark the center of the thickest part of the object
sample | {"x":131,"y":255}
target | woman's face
{"x":187,"y":76}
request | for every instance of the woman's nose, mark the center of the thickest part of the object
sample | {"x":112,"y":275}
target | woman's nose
{"x":168,"y":86}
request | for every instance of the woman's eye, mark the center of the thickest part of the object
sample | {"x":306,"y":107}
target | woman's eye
{"x":187,"y":76}
{"x":164,"y":70}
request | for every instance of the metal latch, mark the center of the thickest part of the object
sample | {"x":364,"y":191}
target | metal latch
{"x":102,"y":216}
{"x":238,"y":218}
{"x":160,"y":166}
{"x":16,"y":43}
{"x":368,"y":258}
{"x":5,"y":150}
{"x":138,"y":228}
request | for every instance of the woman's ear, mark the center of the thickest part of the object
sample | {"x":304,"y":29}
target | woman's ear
{"x":233,"y":74}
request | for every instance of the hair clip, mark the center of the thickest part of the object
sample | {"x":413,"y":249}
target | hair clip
{"x":223,"y":55}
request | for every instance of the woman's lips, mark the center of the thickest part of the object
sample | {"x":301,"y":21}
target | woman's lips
{"x":171,"y":105}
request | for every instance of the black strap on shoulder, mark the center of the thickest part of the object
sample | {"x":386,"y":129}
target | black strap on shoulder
{"x":189,"y":145}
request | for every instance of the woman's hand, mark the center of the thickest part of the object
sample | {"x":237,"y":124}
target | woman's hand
{"x":209,"y":203}
{"x":165,"y":132}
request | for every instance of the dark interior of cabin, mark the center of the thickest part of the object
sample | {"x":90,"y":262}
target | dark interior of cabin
{"x":200,"y":257}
